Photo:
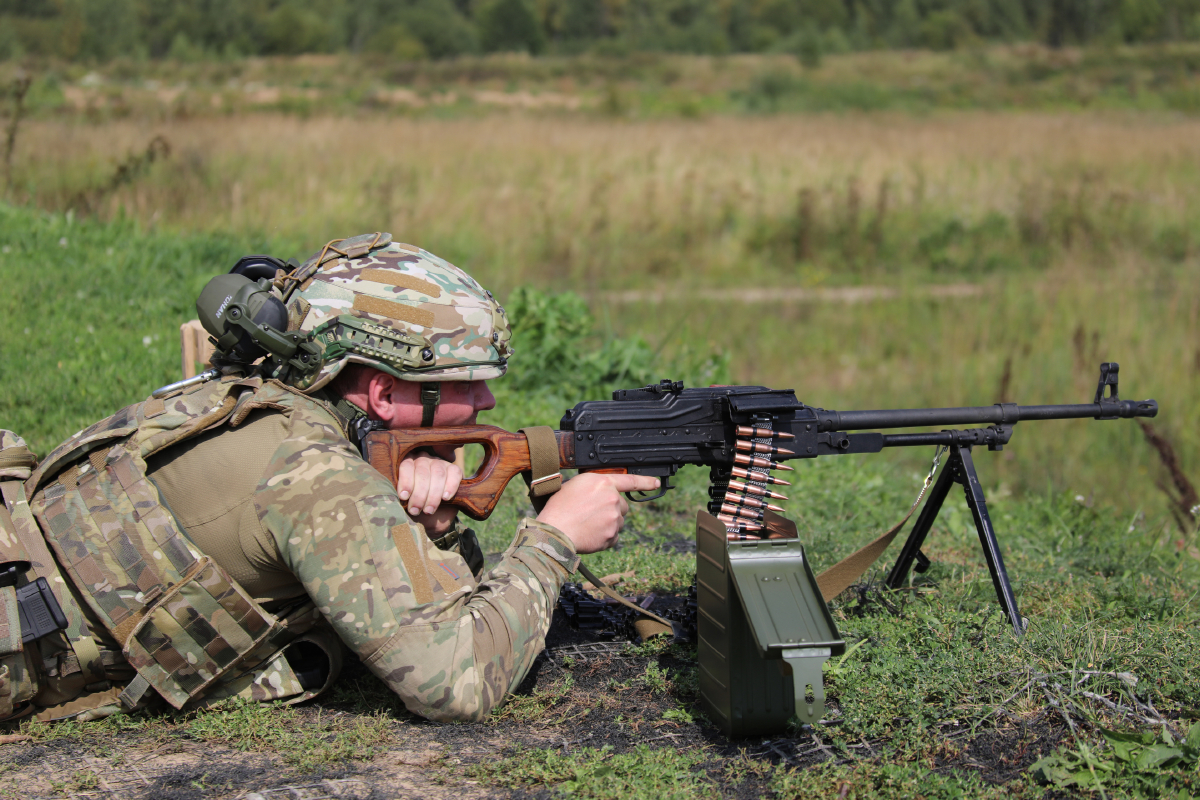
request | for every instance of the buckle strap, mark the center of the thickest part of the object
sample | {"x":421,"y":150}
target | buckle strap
{"x":18,"y":459}
{"x":68,"y":663}
{"x":134,"y":692}
{"x":431,"y":395}
{"x":544,"y":477}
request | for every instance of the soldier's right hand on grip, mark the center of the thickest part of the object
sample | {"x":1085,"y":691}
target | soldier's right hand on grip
{"x":590,"y":508}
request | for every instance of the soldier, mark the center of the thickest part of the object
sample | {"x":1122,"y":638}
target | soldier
{"x":220,"y":540}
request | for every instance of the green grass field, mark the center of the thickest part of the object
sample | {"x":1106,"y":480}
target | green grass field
{"x":891,"y":230}
{"x":88,"y":324}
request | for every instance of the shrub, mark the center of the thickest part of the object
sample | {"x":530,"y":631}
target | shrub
{"x":510,"y":25}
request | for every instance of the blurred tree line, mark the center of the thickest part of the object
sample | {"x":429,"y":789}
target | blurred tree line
{"x":100,"y":30}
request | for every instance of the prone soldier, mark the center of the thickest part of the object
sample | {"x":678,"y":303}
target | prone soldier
{"x":225,"y":538}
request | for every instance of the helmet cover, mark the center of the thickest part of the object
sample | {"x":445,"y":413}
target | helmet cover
{"x":397,"y":308}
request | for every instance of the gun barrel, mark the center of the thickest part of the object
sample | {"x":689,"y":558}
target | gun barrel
{"x":1000,"y":413}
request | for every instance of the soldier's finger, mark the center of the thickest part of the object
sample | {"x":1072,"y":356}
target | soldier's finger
{"x":438,"y":473}
{"x":633,"y":483}
{"x":622,"y":507}
{"x":404,"y":479}
{"x":420,"y":485}
{"x":454,"y":476}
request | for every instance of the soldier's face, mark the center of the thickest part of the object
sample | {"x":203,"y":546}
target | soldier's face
{"x":461,"y":403}
{"x":399,"y":403}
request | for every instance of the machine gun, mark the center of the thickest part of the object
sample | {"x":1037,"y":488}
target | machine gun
{"x":740,"y":433}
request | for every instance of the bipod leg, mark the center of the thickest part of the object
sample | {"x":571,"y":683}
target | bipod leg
{"x":929,"y":512}
{"x":987,"y":536}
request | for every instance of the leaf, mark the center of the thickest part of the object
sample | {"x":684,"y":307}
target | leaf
{"x":1156,"y":756}
{"x":1049,"y":770}
{"x":1117,"y":736}
{"x":1191,"y":744}
{"x":1124,"y":751}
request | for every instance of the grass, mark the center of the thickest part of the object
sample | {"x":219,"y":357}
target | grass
{"x":307,"y":743}
{"x":1076,"y":231}
{"x":601,"y":775}
{"x":1078,"y":234}
{"x":644,"y":85}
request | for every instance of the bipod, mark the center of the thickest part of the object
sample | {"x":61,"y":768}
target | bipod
{"x":961,"y":470}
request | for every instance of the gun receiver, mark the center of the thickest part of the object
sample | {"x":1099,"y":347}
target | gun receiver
{"x":746,"y":432}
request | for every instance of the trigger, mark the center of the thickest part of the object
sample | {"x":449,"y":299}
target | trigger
{"x":664,"y":487}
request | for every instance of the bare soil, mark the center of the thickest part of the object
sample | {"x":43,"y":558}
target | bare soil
{"x":608,"y":704}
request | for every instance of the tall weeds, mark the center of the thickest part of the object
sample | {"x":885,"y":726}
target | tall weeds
{"x":607,"y":205}
{"x":1080,"y":231}
{"x":18,"y":89}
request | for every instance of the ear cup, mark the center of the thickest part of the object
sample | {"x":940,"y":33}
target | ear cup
{"x":245,"y":317}
{"x":258,"y":267}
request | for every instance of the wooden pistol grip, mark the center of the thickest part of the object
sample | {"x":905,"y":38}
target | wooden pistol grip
{"x":506,"y":454}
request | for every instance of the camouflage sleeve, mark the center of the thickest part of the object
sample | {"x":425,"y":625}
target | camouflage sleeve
{"x":450,"y":647}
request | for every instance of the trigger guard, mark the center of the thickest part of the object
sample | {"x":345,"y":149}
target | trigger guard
{"x":633,"y":499}
{"x":664,"y":487}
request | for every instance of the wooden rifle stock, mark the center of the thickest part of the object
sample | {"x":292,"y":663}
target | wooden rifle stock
{"x":505,"y":455}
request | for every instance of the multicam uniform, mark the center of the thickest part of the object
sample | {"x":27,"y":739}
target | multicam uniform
{"x":309,"y":517}
{"x":197,"y":537}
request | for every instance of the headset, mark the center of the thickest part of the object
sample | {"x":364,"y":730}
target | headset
{"x":248,"y":320}
{"x":244,"y":312}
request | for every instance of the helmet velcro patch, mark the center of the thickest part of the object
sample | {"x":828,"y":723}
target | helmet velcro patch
{"x":394,"y":278}
{"x":386,"y":308}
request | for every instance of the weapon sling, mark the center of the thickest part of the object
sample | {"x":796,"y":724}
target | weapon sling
{"x":836,"y":579}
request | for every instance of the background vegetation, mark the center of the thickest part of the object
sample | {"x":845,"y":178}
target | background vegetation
{"x":935,"y":696}
{"x":100,"y":30}
{"x":875,"y":228}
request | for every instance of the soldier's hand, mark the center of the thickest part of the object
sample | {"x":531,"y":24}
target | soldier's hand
{"x":590,"y":510}
{"x":424,"y":483}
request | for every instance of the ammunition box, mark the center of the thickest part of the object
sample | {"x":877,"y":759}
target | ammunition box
{"x":764,"y":631}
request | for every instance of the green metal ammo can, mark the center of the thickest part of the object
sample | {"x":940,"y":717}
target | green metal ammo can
{"x":764,"y":631}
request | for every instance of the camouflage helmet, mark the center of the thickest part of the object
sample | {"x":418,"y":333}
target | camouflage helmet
{"x":397,"y":308}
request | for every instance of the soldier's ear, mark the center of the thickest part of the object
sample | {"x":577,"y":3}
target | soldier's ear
{"x":393,"y":401}
{"x":381,"y":399}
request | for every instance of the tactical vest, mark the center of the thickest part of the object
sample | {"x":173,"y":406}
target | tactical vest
{"x":145,"y":608}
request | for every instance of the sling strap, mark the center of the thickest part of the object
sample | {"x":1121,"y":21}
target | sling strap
{"x":842,"y":575}
{"x":648,"y":623}
{"x":544,"y":476}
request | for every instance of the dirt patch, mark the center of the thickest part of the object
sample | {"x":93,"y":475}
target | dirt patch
{"x":1003,"y":754}
{"x":587,"y":690}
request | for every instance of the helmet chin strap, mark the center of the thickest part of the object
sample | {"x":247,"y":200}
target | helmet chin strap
{"x":431,"y":395}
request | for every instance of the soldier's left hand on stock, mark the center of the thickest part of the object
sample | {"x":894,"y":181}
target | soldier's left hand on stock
{"x":424,"y":484}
